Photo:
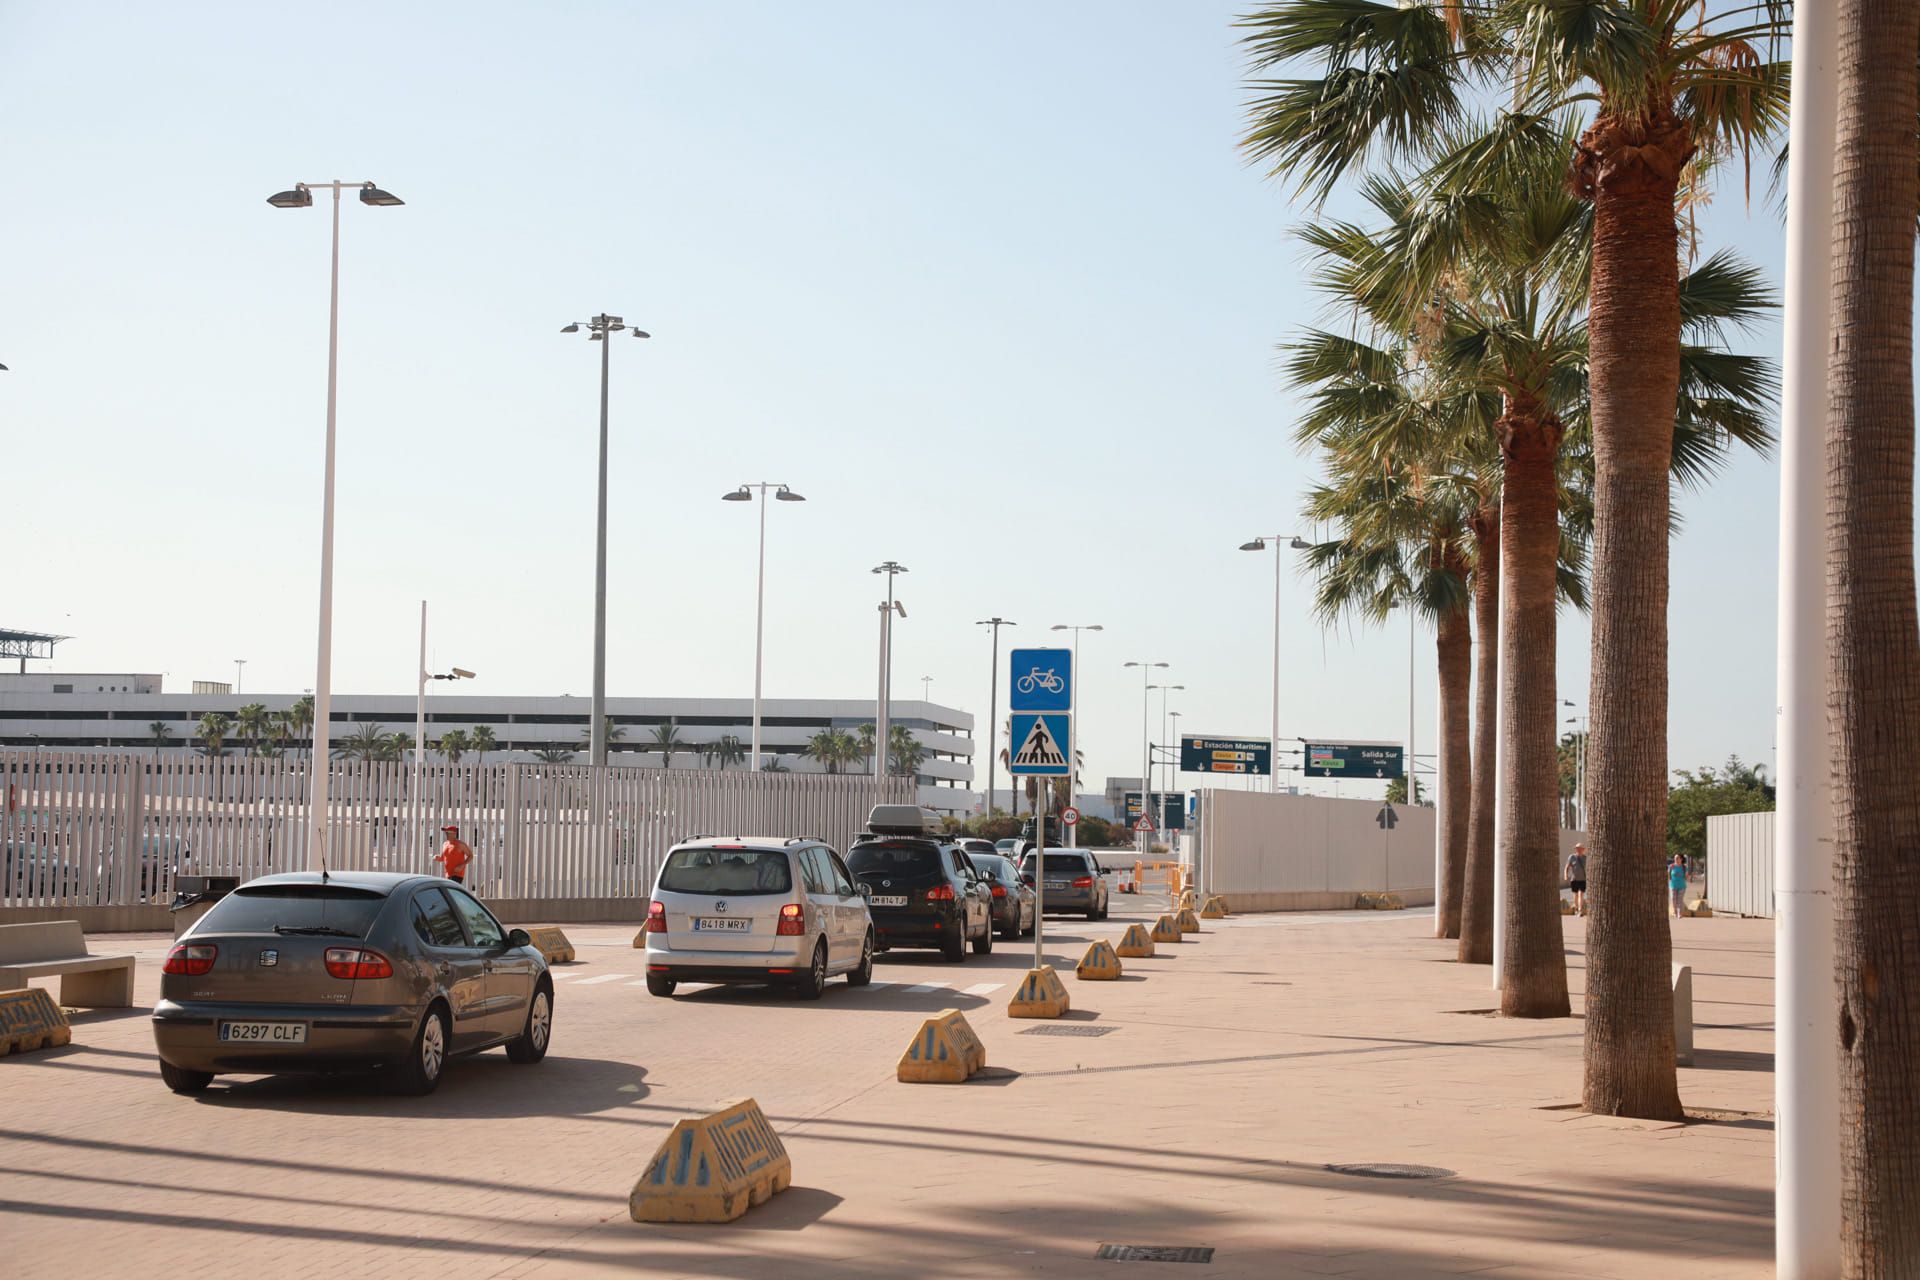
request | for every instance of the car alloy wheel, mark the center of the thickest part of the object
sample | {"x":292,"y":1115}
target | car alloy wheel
{"x":433,"y":1047}
{"x":540,"y":1024}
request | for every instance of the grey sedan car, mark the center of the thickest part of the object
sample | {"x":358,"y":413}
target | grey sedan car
{"x":1073,"y":882}
{"x":354,"y":970}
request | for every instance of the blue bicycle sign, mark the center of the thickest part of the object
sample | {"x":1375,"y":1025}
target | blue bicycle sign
{"x":1040,"y":680}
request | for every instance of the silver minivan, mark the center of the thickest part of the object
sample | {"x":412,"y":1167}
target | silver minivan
{"x":756,"y":909}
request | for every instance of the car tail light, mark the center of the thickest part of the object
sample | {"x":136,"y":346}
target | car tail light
{"x":357,"y":962}
{"x":999,"y":891}
{"x":792,"y":923}
{"x":656,"y":917}
{"x":940,"y":893}
{"x":191,"y":959}
{"x":1083,"y":882}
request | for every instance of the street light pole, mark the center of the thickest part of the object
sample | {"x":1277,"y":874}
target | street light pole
{"x":239,"y":669}
{"x":1260,"y":544}
{"x":1073,"y":706}
{"x":993,"y":702}
{"x":301,"y":197}
{"x":882,"y":728}
{"x":745,"y":494}
{"x":1146,"y":739}
{"x":601,"y":329}
{"x":1165,"y":691}
{"x":420,"y":726}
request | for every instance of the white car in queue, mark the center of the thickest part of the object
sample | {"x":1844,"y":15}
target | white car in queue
{"x":757,"y":909}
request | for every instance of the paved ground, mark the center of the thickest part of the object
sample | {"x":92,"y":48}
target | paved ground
{"x":1236,"y":1069}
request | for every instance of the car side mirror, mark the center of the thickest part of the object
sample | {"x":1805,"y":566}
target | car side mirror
{"x":519,"y":938}
{"x":1027,"y":881}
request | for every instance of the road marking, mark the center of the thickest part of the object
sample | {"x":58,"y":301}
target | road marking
{"x":983,"y":988}
{"x":561,"y":975}
{"x":605,"y":977}
{"x":920,"y":988}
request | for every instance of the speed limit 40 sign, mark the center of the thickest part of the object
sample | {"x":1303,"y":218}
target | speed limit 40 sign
{"x":1070,"y":815}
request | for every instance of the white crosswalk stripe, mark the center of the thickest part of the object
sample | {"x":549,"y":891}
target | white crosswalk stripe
{"x":605,"y":977}
{"x":920,"y":988}
{"x":983,"y":988}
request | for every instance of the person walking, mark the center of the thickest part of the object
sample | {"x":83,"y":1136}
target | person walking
{"x":1576,"y":870}
{"x":1677,"y":882}
{"x":454,"y":855}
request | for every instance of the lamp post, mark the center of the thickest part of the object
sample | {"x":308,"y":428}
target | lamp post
{"x":420,"y":719}
{"x":745,"y":494}
{"x":600,"y":329}
{"x":1173,"y":764}
{"x":1073,"y":706}
{"x":239,"y":668}
{"x":1146,"y":739}
{"x":1260,"y":544}
{"x":993,"y":702}
{"x":1165,"y":691}
{"x":301,"y":197}
{"x":883,"y":709}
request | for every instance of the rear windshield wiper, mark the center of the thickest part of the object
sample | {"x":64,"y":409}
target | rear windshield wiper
{"x":314,"y":930}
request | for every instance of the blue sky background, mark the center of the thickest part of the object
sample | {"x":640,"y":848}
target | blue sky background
{"x":990,"y":285}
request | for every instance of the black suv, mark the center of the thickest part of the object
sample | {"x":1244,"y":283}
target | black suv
{"x":922,"y":891}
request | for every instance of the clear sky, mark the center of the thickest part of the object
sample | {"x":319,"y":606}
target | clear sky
{"x":988,"y":284}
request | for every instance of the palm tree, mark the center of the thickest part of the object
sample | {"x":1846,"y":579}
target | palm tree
{"x":1673,"y":86}
{"x":666,"y":740}
{"x":453,"y":744}
{"x":213,"y":730}
{"x":367,"y":743}
{"x":553,"y":755}
{"x":161,"y":733}
{"x":863,"y":743}
{"x":481,"y":739}
{"x":773,"y":765}
{"x":905,"y":755}
{"x":729,"y":751}
{"x":396,"y":745}
{"x":1873,"y":658}
{"x":300,"y":720}
{"x":252,"y":721}
{"x":830,"y":748}
{"x":279,"y":728}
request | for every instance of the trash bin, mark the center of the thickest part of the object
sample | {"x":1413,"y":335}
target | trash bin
{"x":194,"y":896}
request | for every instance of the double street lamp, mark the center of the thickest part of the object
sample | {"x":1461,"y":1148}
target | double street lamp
{"x":1146,"y":736}
{"x":301,"y":197}
{"x":781,"y":493}
{"x":1260,"y":544}
{"x":420,"y":722}
{"x":882,"y":730}
{"x":600,"y":329}
{"x":993,"y":704}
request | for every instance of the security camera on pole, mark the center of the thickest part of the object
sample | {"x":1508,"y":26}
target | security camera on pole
{"x":1040,"y":689}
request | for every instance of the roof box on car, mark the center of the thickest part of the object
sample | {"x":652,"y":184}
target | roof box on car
{"x":902,"y":820}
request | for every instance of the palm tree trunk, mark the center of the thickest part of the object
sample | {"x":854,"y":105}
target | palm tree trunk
{"x":1476,"y":897}
{"x":1630,"y":166}
{"x":1454,"y":646}
{"x":1533,"y":964}
{"x":1874,"y":651}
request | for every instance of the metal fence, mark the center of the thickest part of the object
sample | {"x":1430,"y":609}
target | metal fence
{"x":110,"y":830}
{"x":1740,"y":864}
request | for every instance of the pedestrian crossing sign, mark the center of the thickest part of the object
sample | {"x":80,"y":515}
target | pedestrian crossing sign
{"x":1043,"y":743}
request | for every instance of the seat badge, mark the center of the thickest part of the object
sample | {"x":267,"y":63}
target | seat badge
{"x":269,"y":958}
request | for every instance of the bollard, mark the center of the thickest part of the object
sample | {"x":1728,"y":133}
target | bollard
{"x":1041,"y":995}
{"x":1100,"y":964}
{"x":713,"y":1169}
{"x":1186,"y":921}
{"x":1135,"y":943}
{"x":944,"y":1051}
{"x":1683,"y":1015}
{"x":1165,"y":930}
{"x":552,"y":944}
{"x":1215,"y":908}
{"x":29,"y":1019}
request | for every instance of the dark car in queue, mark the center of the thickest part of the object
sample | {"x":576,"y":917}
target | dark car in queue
{"x":1071,"y":883}
{"x":922,"y":890}
{"x":354,"y":970}
{"x":1014,"y":914}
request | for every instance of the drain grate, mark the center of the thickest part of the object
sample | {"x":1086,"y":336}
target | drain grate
{"x":1065,"y":1029}
{"x":1392,"y":1170}
{"x":1155,"y":1253}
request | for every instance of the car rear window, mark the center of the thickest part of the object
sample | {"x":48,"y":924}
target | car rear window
{"x":994,"y":865}
{"x":265,"y":907}
{"x":899,"y":857}
{"x":1058,"y":863}
{"x":735,"y":871}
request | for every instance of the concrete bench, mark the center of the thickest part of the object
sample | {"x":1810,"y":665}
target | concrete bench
{"x":59,"y":947}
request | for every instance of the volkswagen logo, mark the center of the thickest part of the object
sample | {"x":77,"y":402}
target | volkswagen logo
{"x":720,"y":905}
{"x":269,"y":958}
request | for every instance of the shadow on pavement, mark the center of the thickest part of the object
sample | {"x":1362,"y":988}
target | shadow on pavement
{"x":486,"y":1086}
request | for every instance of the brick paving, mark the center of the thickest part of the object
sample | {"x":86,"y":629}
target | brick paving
{"x":1240,"y":1065}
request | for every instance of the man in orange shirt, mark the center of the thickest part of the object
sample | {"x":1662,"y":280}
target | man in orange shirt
{"x":454,"y":855}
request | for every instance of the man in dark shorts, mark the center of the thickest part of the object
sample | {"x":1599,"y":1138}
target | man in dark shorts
{"x":1577,"y":878}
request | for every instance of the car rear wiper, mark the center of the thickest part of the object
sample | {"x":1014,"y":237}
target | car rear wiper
{"x":314,"y":930}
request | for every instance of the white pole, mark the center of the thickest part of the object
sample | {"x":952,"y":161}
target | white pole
{"x":880,"y":706}
{"x":1806,"y":1080}
{"x":1273,"y":747}
{"x":317,"y":849}
{"x":597,"y":727}
{"x":1073,"y":763}
{"x":1039,"y":879}
{"x":759,"y":627}
{"x":420,"y":734}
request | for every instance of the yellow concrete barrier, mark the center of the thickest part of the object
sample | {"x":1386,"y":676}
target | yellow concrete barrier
{"x":713,"y":1169}
{"x":1566,"y":908}
{"x":1699,"y":907}
{"x":1041,"y":995}
{"x":550,"y":942}
{"x":1165,"y":930}
{"x":944,"y":1051}
{"x":1186,"y":921}
{"x":1189,"y":900}
{"x":1135,"y":943}
{"x":29,"y":1019}
{"x":1100,"y":964}
{"x":1215,"y":908}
